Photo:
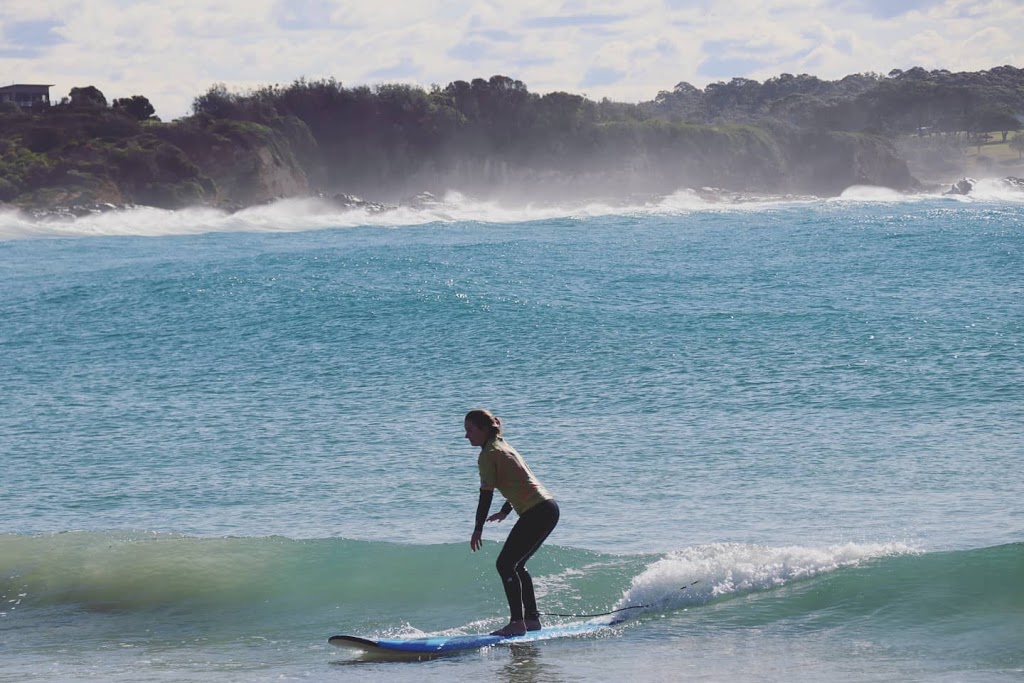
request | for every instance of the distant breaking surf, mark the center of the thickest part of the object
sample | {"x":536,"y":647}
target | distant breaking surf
{"x":307,"y":214}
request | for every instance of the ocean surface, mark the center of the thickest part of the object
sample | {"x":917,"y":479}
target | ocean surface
{"x":787,"y":435}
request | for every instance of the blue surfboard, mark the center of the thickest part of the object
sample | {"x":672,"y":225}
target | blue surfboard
{"x":438,"y":645}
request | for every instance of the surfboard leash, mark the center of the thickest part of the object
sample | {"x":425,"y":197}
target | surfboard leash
{"x":614,"y":611}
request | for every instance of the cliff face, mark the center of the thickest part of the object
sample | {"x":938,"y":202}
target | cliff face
{"x":74,"y":157}
{"x":736,"y":158}
{"x":826,"y":163}
{"x":247,"y":163}
{"x":64,"y":158}
{"x":659,"y":158}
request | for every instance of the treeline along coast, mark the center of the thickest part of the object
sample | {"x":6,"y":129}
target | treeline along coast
{"x":493,"y":138}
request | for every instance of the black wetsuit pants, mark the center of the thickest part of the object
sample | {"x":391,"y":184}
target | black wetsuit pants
{"x":526,"y":536}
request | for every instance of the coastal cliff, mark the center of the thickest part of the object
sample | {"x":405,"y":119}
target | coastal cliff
{"x":826,"y":163}
{"x":507,"y":143}
{"x":494,"y":139}
{"x":69,"y":158}
{"x":661,"y":158}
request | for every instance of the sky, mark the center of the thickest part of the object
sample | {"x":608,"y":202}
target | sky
{"x":171,"y":51}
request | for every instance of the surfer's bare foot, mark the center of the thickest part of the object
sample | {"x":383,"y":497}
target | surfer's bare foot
{"x":514,"y":628}
{"x":533,"y":625}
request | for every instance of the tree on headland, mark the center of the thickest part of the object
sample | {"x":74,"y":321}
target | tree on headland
{"x":911,"y":102}
{"x":136,"y":106}
{"x":993,"y":119}
{"x":88,"y":97}
{"x":256,"y":106}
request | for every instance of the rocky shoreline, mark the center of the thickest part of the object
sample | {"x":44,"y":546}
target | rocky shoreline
{"x":427,"y":200}
{"x":340,"y":201}
{"x":965,"y":186}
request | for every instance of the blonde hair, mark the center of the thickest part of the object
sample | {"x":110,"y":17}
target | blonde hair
{"x":486,"y":420}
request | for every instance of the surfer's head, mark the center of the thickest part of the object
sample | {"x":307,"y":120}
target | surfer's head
{"x":482,"y":426}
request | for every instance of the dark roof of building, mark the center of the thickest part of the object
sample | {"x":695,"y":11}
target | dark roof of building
{"x":25,"y":85}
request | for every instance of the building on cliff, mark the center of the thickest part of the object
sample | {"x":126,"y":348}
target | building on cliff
{"x":26,"y":95}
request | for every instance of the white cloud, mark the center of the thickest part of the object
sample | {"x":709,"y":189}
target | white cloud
{"x":173,"y":50}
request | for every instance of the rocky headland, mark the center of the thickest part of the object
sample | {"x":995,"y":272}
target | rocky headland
{"x":488,"y":139}
{"x":79,"y":163}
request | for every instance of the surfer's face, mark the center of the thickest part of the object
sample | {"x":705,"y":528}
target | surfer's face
{"x":476,"y":435}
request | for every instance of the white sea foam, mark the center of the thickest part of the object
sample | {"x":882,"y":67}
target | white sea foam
{"x":699,"y":574}
{"x":305,"y":214}
{"x":286,"y":215}
{"x":871,"y":193}
{"x":995,"y":190}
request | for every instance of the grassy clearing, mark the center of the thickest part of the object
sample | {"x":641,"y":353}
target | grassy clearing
{"x":994,"y":156}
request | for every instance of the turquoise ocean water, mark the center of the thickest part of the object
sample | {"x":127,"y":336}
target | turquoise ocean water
{"x":792,"y":429}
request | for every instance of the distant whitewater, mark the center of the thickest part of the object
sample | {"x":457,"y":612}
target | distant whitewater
{"x":290,"y":215}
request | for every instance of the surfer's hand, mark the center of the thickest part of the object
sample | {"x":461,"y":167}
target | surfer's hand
{"x":477,"y":541}
{"x":497,"y":517}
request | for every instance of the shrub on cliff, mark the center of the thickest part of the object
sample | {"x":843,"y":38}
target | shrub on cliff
{"x":21,"y":168}
{"x":88,"y":97}
{"x":136,"y":106}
